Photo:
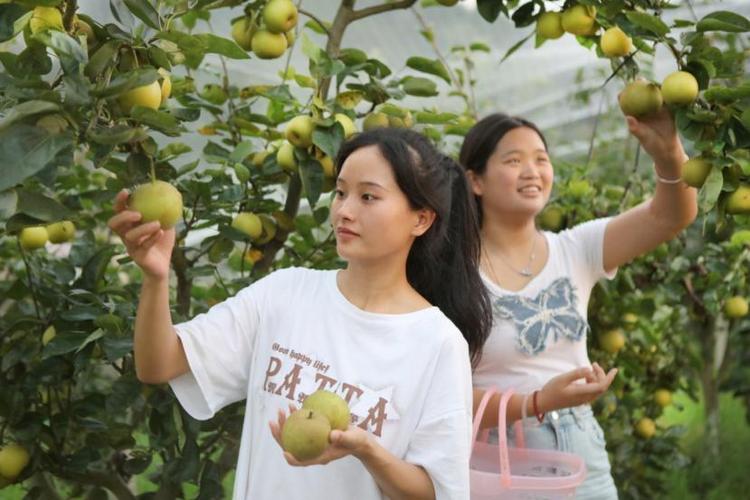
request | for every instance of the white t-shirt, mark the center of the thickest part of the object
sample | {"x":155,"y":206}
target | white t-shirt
{"x":540,"y":331}
{"x":406,"y":377}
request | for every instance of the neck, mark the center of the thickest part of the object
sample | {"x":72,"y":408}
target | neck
{"x":376,"y":286}
{"x":509,"y":235}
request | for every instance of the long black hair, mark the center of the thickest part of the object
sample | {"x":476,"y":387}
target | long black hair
{"x":443,"y":263}
{"x":481,"y":140}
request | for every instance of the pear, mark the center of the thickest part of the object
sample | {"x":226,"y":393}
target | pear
{"x":640,"y":98}
{"x":332,"y":406}
{"x":157,"y":201}
{"x":695,"y":171}
{"x":305,"y":434}
{"x":549,"y":25}
{"x":60,"y":232}
{"x":32,"y":238}
{"x":680,"y":88}
{"x":13,"y":459}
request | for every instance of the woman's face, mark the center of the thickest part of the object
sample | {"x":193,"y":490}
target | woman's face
{"x":371,"y":216}
{"x":518,"y":178}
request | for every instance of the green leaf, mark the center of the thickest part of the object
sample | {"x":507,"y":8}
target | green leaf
{"x":648,"y":22}
{"x":241,"y":152}
{"x":9,"y":14}
{"x":417,"y":86}
{"x":26,"y":109}
{"x":94,"y":268}
{"x":218,"y":45}
{"x":329,"y":139}
{"x":312,"y":51}
{"x":711,"y":190}
{"x":311,"y":174}
{"x":517,"y":46}
{"x":100,"y":60}
{"x":63,"y":344}
{"x":40,"y":207}
{"x":480,"y":47}
{"x":145,"y":11}
{"x":490,"y":9}
{"x":724,"y":21}
{"x":124,"y":82}
{"x":434,"y":118}
{"x":159,"y":120}
{"x":431,"y":66}
{"x":26,"y":150}
{"x":117,"y":134}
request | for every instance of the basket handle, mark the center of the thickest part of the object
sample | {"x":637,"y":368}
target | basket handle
{"x":480,"y":413}
{"x":502,"y":436}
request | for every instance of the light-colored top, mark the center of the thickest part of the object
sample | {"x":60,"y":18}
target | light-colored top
{"x":540,"y":331}
{"x":406,"y":377}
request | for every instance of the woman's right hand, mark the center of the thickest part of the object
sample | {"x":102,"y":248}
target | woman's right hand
{"x":148,"y":244}
{"x":574,"y":388}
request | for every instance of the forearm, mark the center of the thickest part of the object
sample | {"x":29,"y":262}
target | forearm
{"x":159,"y":355}
{"x":514,"y":410}
{"x":395,"y":477}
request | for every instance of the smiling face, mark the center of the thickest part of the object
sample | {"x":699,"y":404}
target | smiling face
{"x":371,"y":216}
{"x":518,"y":179}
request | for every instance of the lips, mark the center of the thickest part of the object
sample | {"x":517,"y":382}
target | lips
{"x":530,"y":189}
{"x":345,"y":232}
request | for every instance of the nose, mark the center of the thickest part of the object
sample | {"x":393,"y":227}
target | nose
{"x":529,"y":170}
{"x":342,"y":208}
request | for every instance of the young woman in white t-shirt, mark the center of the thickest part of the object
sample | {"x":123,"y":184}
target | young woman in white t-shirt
{"x":385,"y":333}
{"x":540,"y":282}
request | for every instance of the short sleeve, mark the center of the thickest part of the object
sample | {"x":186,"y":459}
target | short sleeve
{"x":586,"y":242}
{"x":441,"y":443}
{"x":219,"y":346}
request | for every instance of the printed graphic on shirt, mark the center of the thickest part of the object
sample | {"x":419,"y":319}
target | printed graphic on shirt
{"x":552,"y":312}
{"x":295,"y":375}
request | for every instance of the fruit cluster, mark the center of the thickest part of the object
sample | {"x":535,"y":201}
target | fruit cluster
{"x":270,"y":38}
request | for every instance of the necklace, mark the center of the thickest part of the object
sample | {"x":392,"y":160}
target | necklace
{"x":525,"y":271}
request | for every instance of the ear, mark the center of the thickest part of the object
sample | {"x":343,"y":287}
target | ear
{"x":425,"y":218}
{"x":475,"y":181}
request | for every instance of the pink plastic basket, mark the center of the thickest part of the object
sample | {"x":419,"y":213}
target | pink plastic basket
{"x":498,"y":472}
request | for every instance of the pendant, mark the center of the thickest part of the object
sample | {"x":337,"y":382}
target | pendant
{"x":526,"y":272}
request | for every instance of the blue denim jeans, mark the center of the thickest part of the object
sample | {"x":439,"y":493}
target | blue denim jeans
{"x":576,"y":431}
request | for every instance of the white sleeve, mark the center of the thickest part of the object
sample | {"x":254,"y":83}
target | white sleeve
{"x":219,"y":346}
{"x":586,"y":241}
{"x":441,"y":443}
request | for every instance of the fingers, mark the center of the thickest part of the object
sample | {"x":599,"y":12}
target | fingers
{"x":577,"y":374}
{"x":275,"y":431}
{"x":121,"y":201}
{"x":151,"y":240}
{"x":124,"y":221}
{"x":139,"y":234}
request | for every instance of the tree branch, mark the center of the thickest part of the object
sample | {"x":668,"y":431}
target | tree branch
{"x":110,"y":481}
{"x":379,"y":9}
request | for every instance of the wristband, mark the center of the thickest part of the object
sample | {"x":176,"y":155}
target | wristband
{"x":668,"y":181}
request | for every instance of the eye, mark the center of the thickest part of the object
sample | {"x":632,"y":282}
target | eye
{"x":339,"y":193}
{"x":543,"y":159}
{"x":368,"y":197}
{"x":513,"y":161}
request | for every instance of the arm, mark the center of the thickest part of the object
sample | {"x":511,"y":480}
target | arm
{"x":397,"y":478}
{"x":159,"y":355}
{"x":672,"y":208}
{"x":563,"y":391}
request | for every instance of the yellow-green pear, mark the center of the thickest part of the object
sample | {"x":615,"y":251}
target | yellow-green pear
{"x":549,"y":25}
{"x":32,"y":238}
{"x":243,"y":30}
{"x":285,"y":157}
{"x":45,"y":18}
{"x":680,"y":88}
{"x":736,"y":307}
{"x":305,"y":434}
{"x":663,"y":397}
{"x":280,"y":16}
{"x":157,"y":201}
{"x":347,"y":124}
{"x":646,"y":428}
{"x":695,"y":171}
{"x":299,"y":131}
{"x":375,"y":120}
{"x":640,"y":98}
{"x":60,"y":232}
{"x":738,"y":202}
{"x":612,"y":341}
{"x":148,"y":96}
{"x":249,"y":224}
{"x":579,"y":19}
{"x":330,"y":405}
{"x":615,"y":43}
{"x":267,"y":45}
{"x":13,"y":459}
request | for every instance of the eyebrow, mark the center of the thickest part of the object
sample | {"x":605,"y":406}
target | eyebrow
{"x":513,"y":151}
{"x":363,"y":183}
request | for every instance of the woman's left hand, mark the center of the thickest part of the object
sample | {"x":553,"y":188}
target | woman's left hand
{"x":353,"y":441}
{"x":658,"y":136}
